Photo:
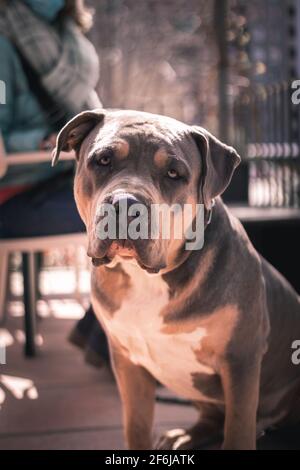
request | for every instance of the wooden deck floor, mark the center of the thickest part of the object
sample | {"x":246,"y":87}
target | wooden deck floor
{"x":68,"y":405}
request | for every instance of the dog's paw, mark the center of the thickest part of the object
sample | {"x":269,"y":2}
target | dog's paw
{"x":176,"y":439}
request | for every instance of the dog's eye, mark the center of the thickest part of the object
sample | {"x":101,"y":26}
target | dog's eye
{"x":173,"y":174}
{"x":105,"y":160}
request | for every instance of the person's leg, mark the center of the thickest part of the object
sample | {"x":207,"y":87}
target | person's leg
{"x":40,"y":213}
{"x":81,"y":332}
{"x":88,"y":334}
{"x":97,"y":349}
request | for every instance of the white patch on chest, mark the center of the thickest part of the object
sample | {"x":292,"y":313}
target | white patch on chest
{"x":137,"y":326}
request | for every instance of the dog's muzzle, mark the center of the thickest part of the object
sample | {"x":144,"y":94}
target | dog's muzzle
{"x":112,"y":226}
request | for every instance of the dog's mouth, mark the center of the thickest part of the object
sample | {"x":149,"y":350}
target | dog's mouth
{"x":123,"y":248}
{"x":126,"y":250}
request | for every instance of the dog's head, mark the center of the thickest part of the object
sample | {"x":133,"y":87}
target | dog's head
{"x":125,"y":158}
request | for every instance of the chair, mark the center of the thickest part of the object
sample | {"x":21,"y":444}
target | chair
{"x":28,"y":247}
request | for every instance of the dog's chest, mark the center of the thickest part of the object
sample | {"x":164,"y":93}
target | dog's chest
{"x":138,"y":327}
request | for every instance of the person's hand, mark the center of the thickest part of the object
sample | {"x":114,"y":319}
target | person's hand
{"x":48,"y":143}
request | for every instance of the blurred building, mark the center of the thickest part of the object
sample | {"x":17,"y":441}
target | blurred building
{"x":229,"y":72}
{"x":272,"y":25}
{"x":267,"y":120}
{"x":158,"y":57}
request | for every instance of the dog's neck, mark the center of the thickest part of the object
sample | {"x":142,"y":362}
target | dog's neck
{"x":190,"y":262}
{"x":184,"y":254}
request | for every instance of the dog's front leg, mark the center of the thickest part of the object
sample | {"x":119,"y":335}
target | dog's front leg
{"x":137,"y":390}
{"x":241,"y":389}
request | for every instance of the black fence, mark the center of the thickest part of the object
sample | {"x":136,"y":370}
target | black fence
{"x":267,"y":130}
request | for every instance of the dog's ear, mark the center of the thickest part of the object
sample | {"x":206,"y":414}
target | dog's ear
{"x":73,"y":133}
{"x":218,"y":164}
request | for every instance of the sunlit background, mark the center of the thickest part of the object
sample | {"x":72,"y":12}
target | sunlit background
{"x":226,"y":65}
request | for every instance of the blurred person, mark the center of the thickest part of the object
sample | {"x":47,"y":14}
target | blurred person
{"x":50,"y":70}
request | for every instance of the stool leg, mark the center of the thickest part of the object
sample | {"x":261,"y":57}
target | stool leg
{"x":3,"y":284}
{"x":29,"y":277}
{"x":38,"y":257}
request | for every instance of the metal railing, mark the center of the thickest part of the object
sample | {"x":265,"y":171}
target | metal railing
{"x":267,"y":131}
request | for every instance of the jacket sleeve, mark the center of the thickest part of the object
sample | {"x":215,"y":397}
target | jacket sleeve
{"x":15,"y":140}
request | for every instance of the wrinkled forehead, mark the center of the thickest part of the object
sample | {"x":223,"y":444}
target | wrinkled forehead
{"x":130,"y":133}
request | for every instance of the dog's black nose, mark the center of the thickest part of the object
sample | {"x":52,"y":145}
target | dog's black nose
{"x":124,"y":201}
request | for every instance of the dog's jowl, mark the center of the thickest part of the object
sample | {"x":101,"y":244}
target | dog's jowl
{"x":216,"y":325}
